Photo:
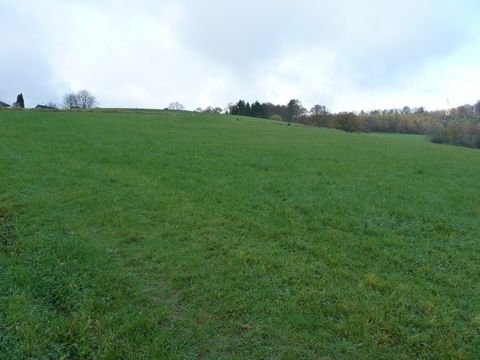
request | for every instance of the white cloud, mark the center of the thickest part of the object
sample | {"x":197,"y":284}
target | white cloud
{"x":344,"y":54}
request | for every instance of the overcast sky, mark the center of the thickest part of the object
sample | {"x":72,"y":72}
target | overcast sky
{"x":345,"y":54}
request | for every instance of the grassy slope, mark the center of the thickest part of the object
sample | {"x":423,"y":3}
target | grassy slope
{"x":125,"y":235}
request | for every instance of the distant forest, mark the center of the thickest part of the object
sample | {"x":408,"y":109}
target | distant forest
{"x":457,"y":126}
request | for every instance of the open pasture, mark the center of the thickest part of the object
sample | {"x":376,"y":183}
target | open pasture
{"x":144,"y":234}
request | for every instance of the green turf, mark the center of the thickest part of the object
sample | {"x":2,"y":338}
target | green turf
{"x":402,"y":137}
{"x":142,"y":234}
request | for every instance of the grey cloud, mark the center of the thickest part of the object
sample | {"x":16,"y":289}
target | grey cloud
{"x":24,"y":65}
{"x":376,"y":41}
{"x":209,"y":52}
{"x":31,"y":76}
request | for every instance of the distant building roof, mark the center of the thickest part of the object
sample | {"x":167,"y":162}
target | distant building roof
{"x":2,"y":104}
{"x":45,"y":107}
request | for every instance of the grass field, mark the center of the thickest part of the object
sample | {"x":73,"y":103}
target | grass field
{"x":131,"y":235}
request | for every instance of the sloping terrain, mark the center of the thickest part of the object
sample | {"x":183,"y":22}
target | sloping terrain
{"x":150,"y":234}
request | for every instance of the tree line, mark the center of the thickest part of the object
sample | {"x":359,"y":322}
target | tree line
{"x":294,"y":110}
{"x":457,"y":126}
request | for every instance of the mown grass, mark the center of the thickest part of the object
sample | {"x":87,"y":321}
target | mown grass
{"x":170,"y":235}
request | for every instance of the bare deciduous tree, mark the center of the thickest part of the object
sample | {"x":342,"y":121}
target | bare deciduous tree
{"x":176,"y":106}
{"x":83,"y":100}
{"x":86,"y":100}
{"x":70,"y":101}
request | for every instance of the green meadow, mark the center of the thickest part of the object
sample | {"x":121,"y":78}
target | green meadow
{"x":171,"y":235}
